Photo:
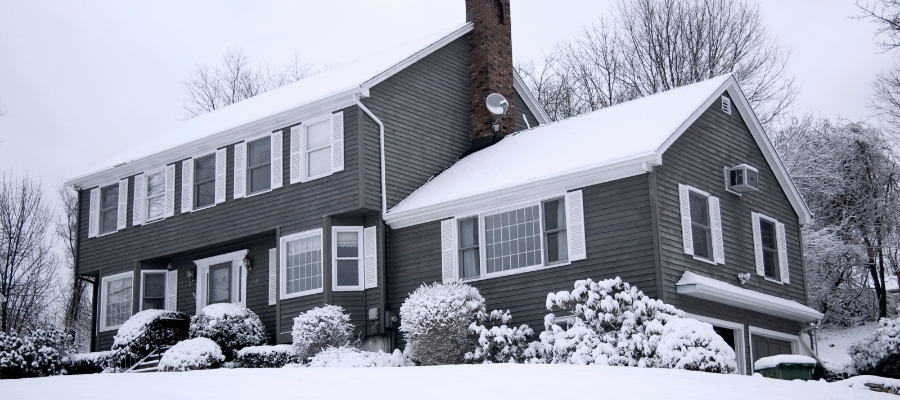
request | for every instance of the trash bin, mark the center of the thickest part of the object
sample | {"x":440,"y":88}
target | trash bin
{"x":787,"y":367}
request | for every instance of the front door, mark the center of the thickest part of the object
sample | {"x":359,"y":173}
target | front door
{"x":219,"y":284}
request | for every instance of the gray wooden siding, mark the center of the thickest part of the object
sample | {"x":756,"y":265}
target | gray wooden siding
{"x":697,"y":159}
{"x":425,"y":111}
{"x":619,"y":243}
{"x":521,"y":108}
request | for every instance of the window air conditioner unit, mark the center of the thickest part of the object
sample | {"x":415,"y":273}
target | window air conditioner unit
{"x":742,"y":179}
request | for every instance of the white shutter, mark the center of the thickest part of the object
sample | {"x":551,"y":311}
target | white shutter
{"x":296,"y":153}
{"x":122,"y":212}
{"x":94,"y":213}
{"x":170,"y":190}
{"x":277,"y":160}
{"x":187,"y":185}
{"x":757,"y":245}
{"x":687,"y":234}
{"x":273,"y":275}
{"x":240,"y":154}
{"x":782,"y":254}
{"x":172,"y":290}
{"x":137,"y":209}
{"x":371,"y":251}
{"x":716,"y":219}
{"x":575,"y":226}
{"x":337,"y":142}
{"x":221,"y":156}
{"x":448,"y":251}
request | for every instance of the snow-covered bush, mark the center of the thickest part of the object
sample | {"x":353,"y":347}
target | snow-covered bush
{"x":87,"y":363}
{"x":320,"y":328}
{"x":879,"y":353}
{"x":266,"y":356}
{"x":356,"y":358}
{"x":693,"y":345}
{"x":231,"y":326}
{"x":191,"y":354}
{"x":499,"y":344}
{"x":42,"y":352}
{"x":435,"y":322}
{"x":147,"y":330}
{"x":617,"y":324}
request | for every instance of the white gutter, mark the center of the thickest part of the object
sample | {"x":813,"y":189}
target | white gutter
{"x":381,"y":143}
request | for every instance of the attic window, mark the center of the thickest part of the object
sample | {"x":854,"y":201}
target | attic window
{"x":726,"y":105}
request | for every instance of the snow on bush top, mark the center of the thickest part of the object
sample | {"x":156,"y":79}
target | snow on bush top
{"x":435,"y":321}
{"x":196,"y":353}
{"x":687,"y":343}
{"x":97,"y":355}
{"x":355,"y":358}
{"x":872,"y":352}
{"x":220,"y":310}
{"x":320,"y":328}
{"x":278,"y":348}
{"x":136,"y":325}
{"x":774,"y":361}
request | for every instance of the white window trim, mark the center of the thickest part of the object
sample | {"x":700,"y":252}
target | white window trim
{"x":740,"y":341}
{"x":104,"y":283}
{"x":194,"y":179}
{"x":360,"y":257}
{"x":793,"y":339}
{"x":710,"y":216}
{"x":774,"y":222}
{"x":144,"y":273}
{"x":100,"y":209}
{"x":482,"y":244}
{"x":303,"y":159}
{"x":145,"y":203}
{"x":247,"y":165}
{"x":282,"y":259}
{"x":239,"y":281}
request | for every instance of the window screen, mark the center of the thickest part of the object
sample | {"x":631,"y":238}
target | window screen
{"x":347,"y":258}
{"x":702,"y":234}
{"x":469,"y":257}
{"x":154,"y":297}
{"x":555,"y":231}
{"x":109,"y":208}
{"x":204,"y":181}
{"x":770,"y":249}
{"x":156,"y":195}
{"x":259,"y":169}
{"x":318,"y":148}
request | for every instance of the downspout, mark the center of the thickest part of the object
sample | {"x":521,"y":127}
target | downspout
{"x":802,"y":343}
{"x":359,"y":103}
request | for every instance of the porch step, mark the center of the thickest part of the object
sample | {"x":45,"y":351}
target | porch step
{"x":149,"y":363}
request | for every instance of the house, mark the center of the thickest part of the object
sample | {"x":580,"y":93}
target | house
{"x":355,"y":186}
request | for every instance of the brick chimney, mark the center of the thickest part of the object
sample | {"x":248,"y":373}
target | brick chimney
{"x":490,"y":68}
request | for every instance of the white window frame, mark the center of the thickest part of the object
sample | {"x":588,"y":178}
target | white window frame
{"x":305,"y":177}
{"x":104,"y":286}
{"x":145,"y":202}
{"x":100,"y":207}
{"x":482,"y":242}
{"x":165,"y":275}
{"x":194,"y":180}
{"x":793,"y":339}
{"x":712,"y":230}
{"x":783,"y":280}
{"x":238,"y":281}
{"x":282,"y":259}
{"x":739,"y":340}
{"x":360,"y":265}
{"x":247,"y":164}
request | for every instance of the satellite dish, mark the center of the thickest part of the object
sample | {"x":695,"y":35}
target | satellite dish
{"x":497,"y":104}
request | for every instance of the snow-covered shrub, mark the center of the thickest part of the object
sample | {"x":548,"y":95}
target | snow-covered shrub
{"x":693,"y":345}
{"x":435,"y":322}
{"x":191,"y":354}
{"x":147,"y":330}
{"x":356,"y":358}
{"x":42,"y":352}
{"x":231,"y":326}
{"x":499,"y":344}
{"x":266,"y":356}
{"x":87,"y":363}
{"x":878,"y":353}
{"x":320,"y":328}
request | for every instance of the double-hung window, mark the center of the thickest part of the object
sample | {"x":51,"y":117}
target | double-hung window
{"x":109,"y":208}
{"x":204,"y":181}
{"x":525,"y":237}
{"x":259,"y":170}
{"x":115,"y":307}
{"x":155,"y":203}
{"x":347,"y":265}
{"x":317,"y":139}
{"x":153,"y":290}
{"x":317,"y":147}
{"x":301,"y":264}
{"x":770,"y":245}
{"x":701,"y":225}
{"x":154,"y":195}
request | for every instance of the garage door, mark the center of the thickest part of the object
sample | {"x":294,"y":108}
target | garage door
{"x":765,"y":346}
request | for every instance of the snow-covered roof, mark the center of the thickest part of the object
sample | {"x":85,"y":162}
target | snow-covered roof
{"x":611,"y":143}
{"x":705,"y":288}
{"x":347,"y":80}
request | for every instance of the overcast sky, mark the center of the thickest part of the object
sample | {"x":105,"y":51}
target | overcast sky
{"x":83,"y":80}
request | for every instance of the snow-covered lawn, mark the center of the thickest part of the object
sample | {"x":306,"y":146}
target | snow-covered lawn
{"x":497,"y":381}
{"x":833,"y":343}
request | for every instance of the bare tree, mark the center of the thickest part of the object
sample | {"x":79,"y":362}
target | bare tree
{"x":2,"y":110}
{"x":237,"y":78}
{"x":27,"y":264}
{"x":885,"y":14}
{"x":649,"y":46}
{"x":77,"y":311}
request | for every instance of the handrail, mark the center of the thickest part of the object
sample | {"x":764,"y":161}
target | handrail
{"x":123,"y":360}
